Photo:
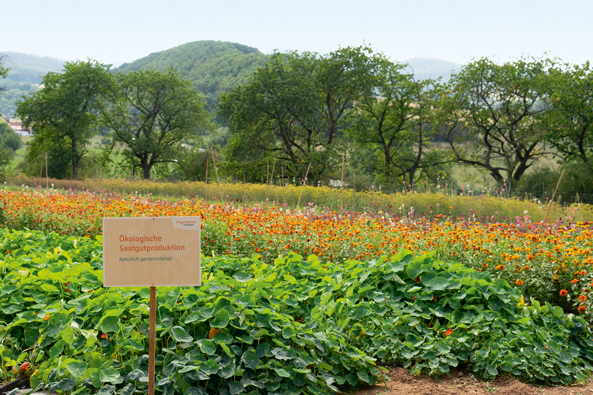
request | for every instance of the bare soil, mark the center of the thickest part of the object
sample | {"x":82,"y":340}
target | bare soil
{"x":463,"y":382}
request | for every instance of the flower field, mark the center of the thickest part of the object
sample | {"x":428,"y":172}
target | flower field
{"x":297,"y":326}
{"x":293,"y":302}
{"x":539,"y":261}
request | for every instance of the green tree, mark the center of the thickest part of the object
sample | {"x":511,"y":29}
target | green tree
{"x":64,"y":113}
{"x":393,"y":122}
{"x":492,"y":116}
{"x":152,"y":113}
{"x":3,"y":72}
{"x":570,"y":115}
{"x":296,"y":108}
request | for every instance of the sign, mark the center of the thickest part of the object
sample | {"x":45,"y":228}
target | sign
{"x":151,"y":251}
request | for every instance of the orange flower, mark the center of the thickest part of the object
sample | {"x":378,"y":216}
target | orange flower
{"x":563,"y":293}
{"x":582,"y":309}
{"x":47,"y":317}
{"x":448,"y":332}
{"x":582,"y":298}
{"x":574,"y":281}
{"x":526,"y":267}
{"x":519,"y":282}
{"x":213,"y":332}
{"x":500,"y":267}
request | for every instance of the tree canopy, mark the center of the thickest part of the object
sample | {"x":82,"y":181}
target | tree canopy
{"x":151,"y":114}
{"x":296,"y":107}
{"x":64,"y":113}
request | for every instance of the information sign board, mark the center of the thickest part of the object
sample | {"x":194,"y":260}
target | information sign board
{"x":151,"y":251}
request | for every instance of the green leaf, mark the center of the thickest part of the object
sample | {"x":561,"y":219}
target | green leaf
{"x":110,"y":324}
{"x":282,"y":372}
{"x":76,"y":368}
{"x":49,"y":288}
{"x":438,"y":283}
{"x":180,"y":335}
{"x":207,"y":346}
{"x":209,"y":368}
{"x":251,"y":360}
{"x":108,"y":375}
{"x":288,"y":332}
{"x":413,"y":270}
{"x":242,"y":277}
{"x":56,"y":349}
{"x":221,"y":319}
{"x":66,"y":384}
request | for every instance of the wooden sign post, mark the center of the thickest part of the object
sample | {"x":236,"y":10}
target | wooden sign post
{"x":151,"y":252}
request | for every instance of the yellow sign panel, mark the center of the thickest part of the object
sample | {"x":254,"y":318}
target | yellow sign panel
{"x":151,"y":251}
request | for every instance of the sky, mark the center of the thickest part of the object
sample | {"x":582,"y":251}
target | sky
{"x":119,"y":31}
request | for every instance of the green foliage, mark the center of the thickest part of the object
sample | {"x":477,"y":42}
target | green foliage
{"x":80,"y":335}
{"x":570,"y":115}
{"x":296,"y":107}
{"x":294,"y":326}
{"x":212,"y":66}
{"x":152,"y":114}
{"x":498,"y":110}
{"x":64,"y":113}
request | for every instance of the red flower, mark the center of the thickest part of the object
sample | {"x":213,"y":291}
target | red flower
{"x":563,"y":293}
{"x":582,"y":309}
{"x":24,"y":366}
{"x":103,"y":336}
{"x":68,"y":283}
{"x":448,"y":332}
{"x":574,"y":281}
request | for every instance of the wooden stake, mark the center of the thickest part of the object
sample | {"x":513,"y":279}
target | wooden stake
{"x":342,"y":188}
{"x":272,"y":175}
{"x":206,"y":180}
{"x":20,"y":175}
{"x":46,"y":176}
{"x":151,"y":340}
{"x":553,"y":195}
{"x":283,"y":187}
{"x":303,"y":186}
{"x":217,"y":179}
{"x":267,"y":180}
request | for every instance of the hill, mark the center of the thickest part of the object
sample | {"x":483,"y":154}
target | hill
{"x":214,"y":66}
{"x":26,"y":72}
{"x":30,"y":68}
{"x":424,"y":68}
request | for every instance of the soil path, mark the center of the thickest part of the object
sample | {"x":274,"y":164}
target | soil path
{"x":462,"y":382}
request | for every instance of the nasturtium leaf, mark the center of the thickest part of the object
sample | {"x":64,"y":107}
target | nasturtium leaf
{"x":251,"y":360}
{"x":110,"y":324}
{"x":180,"y":335}
{"x":235,"y":387}
{"x":207,"y":346}
{"x":12,"y":308}
{"x":76,"y":368}
{"x":209,"y":367}
{"x":129,"y":389}
{"x":49,"y":288}
{"x":106,"y":390}
{"x":282,"y":372}
{"x":195,"y":391}
{"x":438,"y":283}
{"x":222,"y":338}
{"x":242,"y":277}
{"x":414,"y":269}
{"x":288,"y":332}
{"x":108,"y":375}
{"x":56,"y":349}
{"x":66,"y":384}
{"x":220,"y":320}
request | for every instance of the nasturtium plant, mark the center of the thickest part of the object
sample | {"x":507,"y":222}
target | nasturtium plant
{"x":295,"y":326}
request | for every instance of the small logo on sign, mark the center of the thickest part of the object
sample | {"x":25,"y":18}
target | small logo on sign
{"x":188,"y":224}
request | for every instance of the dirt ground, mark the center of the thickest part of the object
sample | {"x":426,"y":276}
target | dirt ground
{"x":463,"y":382}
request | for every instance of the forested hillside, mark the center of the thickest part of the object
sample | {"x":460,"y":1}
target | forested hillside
{"x":213,"y":66}
{"x":26,"y":72}
{"x":424,"y":68}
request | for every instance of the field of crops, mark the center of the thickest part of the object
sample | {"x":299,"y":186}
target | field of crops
{"x":293,"y":302}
